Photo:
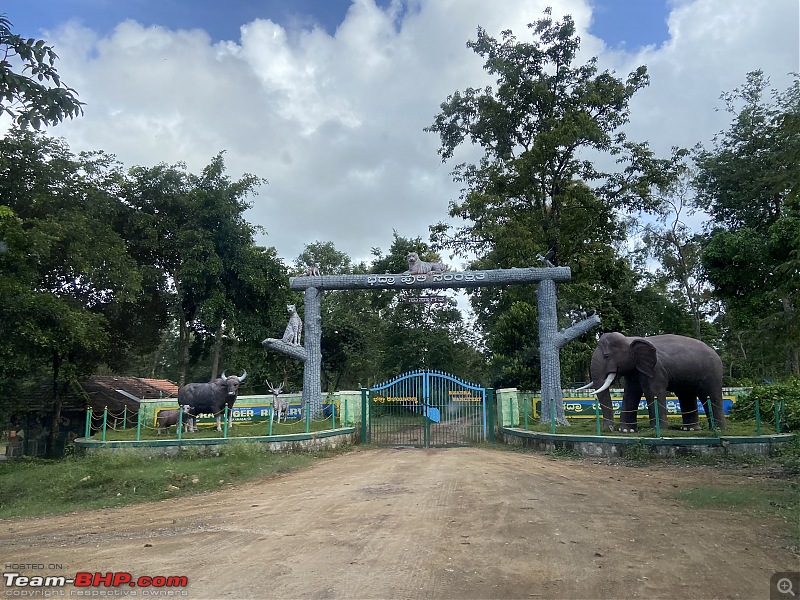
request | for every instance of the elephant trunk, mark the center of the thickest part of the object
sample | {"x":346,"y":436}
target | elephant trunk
{"x":607,"y":409}
{"x":603,"y":397}
{"x":603,"y":372}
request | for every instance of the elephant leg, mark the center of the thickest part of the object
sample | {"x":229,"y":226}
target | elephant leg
{"x":659,"y":401}
{"x":651,"y":411}
{"x":716,"y":409}
{"x":656,"y":396}
{"x":690,"y":414}
{"x":631,"y":396}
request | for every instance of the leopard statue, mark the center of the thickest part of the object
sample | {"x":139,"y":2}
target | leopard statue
{"x":294,"y":327}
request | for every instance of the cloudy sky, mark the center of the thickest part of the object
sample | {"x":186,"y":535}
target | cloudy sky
{"x":327,"y":99}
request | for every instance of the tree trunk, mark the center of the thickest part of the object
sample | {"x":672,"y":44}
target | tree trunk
{"x":183,"y":345}
{"x":792,"y":353}
{"x":550,"y":343}
{"x":217,"y":349}
{"x":55,"y":414}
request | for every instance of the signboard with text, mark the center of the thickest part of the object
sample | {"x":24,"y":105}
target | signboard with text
{"x":584,"y":408}
{"x":248,"y":414}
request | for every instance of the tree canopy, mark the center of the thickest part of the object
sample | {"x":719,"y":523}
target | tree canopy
{"x":535,"y":194}
{"x":748,"y":182}
{"x":31,"y":90}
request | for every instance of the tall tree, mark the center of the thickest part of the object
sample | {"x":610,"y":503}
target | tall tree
{"x":63,"y":262}
{"x":747,"y":181}
{"x":191,"y":228}
{"x":33,"y":95}
{"x":535,"y":130}
{"x":679,"y":250}
{"x":534,"y":193}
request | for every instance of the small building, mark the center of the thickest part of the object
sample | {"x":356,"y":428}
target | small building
{"x":31,"y":415}
{"x":121,"y":395}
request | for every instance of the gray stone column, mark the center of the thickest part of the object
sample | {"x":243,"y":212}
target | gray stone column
{"x":312,"y":371}
{"x":550,"y":342}
{"x":548,"y":357}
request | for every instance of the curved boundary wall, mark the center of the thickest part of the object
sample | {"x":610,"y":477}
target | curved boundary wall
{"x":617,"y":446}
{"x":294,"y":442}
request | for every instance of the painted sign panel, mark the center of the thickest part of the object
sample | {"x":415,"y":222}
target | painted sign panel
{"x":464,"y":396}
{"x":584,"y":408}
{"x":246,"y":414}
{"x":400,"y":399}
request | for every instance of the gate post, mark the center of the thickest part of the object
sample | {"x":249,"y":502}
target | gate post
{"x":363,"y":415}
{"x":426,"y":407}
{"x":491,"y":409}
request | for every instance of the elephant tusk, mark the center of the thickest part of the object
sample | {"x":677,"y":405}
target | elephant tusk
{"x":607,"y":383}
{"x":586,"y":387}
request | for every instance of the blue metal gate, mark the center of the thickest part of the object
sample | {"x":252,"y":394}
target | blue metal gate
{"x":425,"y":408}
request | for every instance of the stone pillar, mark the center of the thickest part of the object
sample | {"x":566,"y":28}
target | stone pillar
{"x":550,"y":342}
{"x":548,"y":358}
{"x":312,"y":371}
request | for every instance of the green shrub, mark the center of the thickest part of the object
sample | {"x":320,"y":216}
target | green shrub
{"x":787,"y":391}
{"x":788,"y":456}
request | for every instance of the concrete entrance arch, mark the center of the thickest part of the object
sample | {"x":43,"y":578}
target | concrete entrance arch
{"x":550,"y":339}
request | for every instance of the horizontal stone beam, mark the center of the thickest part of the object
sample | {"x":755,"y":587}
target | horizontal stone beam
{"x":447,"y":279}
{"x":297,"y":352}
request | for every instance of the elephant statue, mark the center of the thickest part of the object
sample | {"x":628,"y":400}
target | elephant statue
{"x":651,"y":366}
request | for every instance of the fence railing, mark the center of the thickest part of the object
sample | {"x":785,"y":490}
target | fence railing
{"x":263,"y":424}
{"x":529,"y":415}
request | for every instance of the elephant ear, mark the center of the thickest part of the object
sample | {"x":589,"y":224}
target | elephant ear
{"x":644,"y":354}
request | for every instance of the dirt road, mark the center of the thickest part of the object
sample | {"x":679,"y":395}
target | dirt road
{"x":446,"y":523}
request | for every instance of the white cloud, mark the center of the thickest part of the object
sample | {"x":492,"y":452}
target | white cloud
{"x":334,"y":122}
{"x":713,"y":45}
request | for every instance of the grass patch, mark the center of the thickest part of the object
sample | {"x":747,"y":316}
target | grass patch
{"x":779,"y":498}
{"x":35,"y":487}
{"x":744,"y":497}
{"x":564,"y":453}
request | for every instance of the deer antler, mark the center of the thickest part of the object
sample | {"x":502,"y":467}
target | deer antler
{"x":273,"y":390}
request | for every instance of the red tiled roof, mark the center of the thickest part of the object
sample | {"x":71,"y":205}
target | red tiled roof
{"x":144,"y":389}
{"x":104,"y":390}
{"x":163,"y":384}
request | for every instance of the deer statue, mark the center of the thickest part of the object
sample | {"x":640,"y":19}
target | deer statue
{"x":279,"y":405}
